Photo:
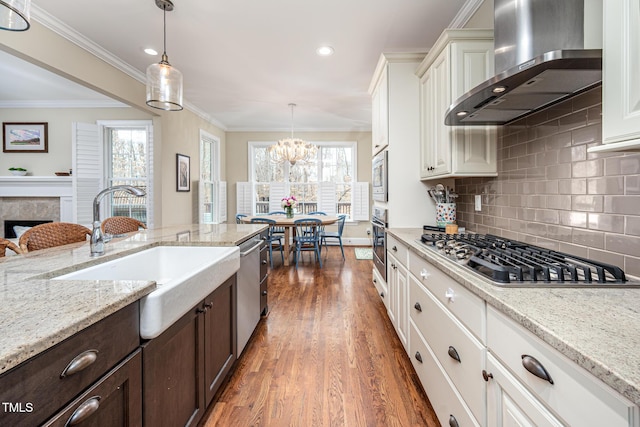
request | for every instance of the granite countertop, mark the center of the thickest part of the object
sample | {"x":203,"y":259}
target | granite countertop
{"x":36,"y":313}
{"x":598,"y":329}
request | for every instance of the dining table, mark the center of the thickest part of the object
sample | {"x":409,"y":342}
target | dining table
{"x":288,"y":224}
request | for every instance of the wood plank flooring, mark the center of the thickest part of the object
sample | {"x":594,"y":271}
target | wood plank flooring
{"x":326,"y":355}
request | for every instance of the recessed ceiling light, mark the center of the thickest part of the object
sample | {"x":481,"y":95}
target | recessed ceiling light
{"x":324,"y":51}
{"x":499,"y":89}
{"x":150,"y":51}
{"x":462,"y":113}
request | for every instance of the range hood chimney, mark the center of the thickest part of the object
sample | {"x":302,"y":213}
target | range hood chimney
{"x":545,"y":51}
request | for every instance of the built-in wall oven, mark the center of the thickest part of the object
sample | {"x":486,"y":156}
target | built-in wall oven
{"x":379,"y":176}
{"x":379,"y":222}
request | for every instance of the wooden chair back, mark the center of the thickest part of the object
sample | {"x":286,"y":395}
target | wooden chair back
{"x":8,"y":244}
{"x":121,"y":225}
{"x":52,"y":234}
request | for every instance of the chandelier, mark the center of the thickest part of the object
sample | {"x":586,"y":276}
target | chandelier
{"x":15,"y":15}
{"x":164,"y":82}
{"x":292,"y":149}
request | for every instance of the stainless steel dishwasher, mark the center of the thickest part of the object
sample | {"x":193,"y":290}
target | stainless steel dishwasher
{"x":249,"y":293}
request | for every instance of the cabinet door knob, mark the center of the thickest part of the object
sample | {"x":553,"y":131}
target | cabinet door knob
{"x":450,"y":294}
{"x":264,"y":261}
{"x":453,"y":353}
{"x":532,"y":365}
{"x":486,"y":375}
{"x":424,"y":273}
{"x":264,"y":293}
{"x":452,"y":421}
{"x":417,"y":306}
{"x":84,"y":411}
{"x":382,"y":294}
{"x":208,"y":305}
{"x":80,"y":362}
{"x":418,"y":356}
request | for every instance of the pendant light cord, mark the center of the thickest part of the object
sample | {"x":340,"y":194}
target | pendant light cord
{"x":164,"y":28}
{"x":292,"y":106}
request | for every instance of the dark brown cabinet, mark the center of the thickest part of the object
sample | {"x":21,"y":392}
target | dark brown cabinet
{"x":46,"y":385}
{"x":184,"y":366}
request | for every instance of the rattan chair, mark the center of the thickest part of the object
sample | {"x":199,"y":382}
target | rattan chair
{"x":7,"y":244}
{"x":121,"y":225}
{"x":52,"y":234}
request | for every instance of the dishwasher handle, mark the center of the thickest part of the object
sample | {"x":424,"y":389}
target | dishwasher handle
{"x":251,"y":249}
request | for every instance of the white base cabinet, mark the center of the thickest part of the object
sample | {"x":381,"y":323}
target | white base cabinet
{"x":459,"y":61}
{"x":398,"y":284}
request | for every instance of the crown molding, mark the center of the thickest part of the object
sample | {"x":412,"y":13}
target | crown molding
{"x":465,"y":13}
{"x":63,"y":104}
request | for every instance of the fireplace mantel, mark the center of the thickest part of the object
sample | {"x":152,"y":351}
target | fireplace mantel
{"x":35,"y":186}
{"x":41,"y":186}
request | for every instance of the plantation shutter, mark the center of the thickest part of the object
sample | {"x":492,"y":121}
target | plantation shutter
{"x":222,"y":201}
{"x":87,"y":164}
{"x":277,"y":192}
{"x":361,"y":201}
{"x":327,"y":202}
{"x":244,"y":198}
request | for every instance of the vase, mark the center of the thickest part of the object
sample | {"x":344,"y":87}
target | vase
{"x":288,"y":212}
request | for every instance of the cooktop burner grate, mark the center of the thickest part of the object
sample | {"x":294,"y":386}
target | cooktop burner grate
{"x":509,"y":261}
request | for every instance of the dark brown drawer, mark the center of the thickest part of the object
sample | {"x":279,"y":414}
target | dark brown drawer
{"x":264,"y":262}
{"x":39,"y":381}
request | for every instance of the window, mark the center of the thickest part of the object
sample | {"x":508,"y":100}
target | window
{"x":127,"y":162}
{"x":212,"y":192}
{"x":335,"y":164}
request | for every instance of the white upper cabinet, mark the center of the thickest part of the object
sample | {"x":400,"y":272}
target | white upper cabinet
{"x":380,"y":113}
{"x":459,"y":61}
{"x":620,"y":82}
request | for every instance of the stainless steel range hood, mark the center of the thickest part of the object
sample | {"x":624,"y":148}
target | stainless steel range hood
{"x":545,"y":51}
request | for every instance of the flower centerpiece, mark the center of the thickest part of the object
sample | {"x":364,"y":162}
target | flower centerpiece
{"x":288,"y":203}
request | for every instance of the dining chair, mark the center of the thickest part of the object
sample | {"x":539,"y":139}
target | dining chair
{"x":307,"y":237}
{"x":278,"y":230}
{"x":52,"y":234}
{"x":324,"y":235}
{"x":8,"y":244}
{"x":272,"y":239}
{"x":239,"y":218}
{"x":121,"y":225}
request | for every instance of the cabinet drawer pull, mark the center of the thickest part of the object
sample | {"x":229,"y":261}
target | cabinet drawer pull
{"x":418,"y":307}
{"x":453,"y":353}
{"x":452,"y":421}
{"x":264,"y":261}
{"x":418,"y":356}
{"x":450,"y":294}
{"x":486,"y":375}
{"x":80,"y":362}
{"x":424,"y":273}
{"x":84,"y":411}
{"x":382,"y":294}
{"x":532,"y":365}
{"x":208,"y":305}
{"x":394,"y":248}
{"x":264,"y":293}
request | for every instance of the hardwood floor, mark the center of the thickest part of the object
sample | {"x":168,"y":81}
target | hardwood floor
{"x":326,"y":355}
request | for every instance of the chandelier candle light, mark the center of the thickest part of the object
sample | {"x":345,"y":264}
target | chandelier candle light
{"x":292,"y":149}
{"x":164,"y":82}
{"x":288,"y":203}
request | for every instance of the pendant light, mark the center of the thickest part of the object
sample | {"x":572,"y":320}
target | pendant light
{"x":164,"y":82}
{"x":292,"y":149}
{"x":15,"y":15}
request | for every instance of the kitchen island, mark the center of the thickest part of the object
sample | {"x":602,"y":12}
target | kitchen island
{"x":598,"y":329}
{"x":37,"y":313}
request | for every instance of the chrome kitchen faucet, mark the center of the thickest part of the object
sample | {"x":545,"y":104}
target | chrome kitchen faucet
{"x":97,"y":237}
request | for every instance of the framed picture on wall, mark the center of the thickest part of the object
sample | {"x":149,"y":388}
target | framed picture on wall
{"x":24,"y":138}
{"x":183,"y":173}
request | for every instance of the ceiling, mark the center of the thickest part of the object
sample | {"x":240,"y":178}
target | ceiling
{"x":244,"y":62}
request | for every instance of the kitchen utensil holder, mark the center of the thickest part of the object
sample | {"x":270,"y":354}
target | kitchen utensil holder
{"x":445,"y":214}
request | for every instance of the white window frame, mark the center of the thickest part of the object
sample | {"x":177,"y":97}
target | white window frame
{"x":123,"y":124}
{"x":320,"y":144}
{"x":217,"y":214}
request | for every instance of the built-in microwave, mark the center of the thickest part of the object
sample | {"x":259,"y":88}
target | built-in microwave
{"x":379,"y":176}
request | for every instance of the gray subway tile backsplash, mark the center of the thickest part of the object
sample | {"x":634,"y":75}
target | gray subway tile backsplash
{"x":549,"y":191}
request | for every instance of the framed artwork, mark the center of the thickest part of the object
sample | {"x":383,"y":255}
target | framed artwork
{"x":183,"y":173}
{"x":24,"y":138}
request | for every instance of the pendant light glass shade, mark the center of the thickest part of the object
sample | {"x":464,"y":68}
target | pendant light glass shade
{"x":164,"y":82}
{"x":164,"y":86}
{"x":292,"y":149}
{"x":15,"y":15}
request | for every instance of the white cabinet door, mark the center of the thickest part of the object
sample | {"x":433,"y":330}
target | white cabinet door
{"x":448,"y":151}
{"x":392,"y":284}
{"x":509,"y":404}
{"x":621,"y":68}
{"x":397,"y":277}
{"x":380,"y":114}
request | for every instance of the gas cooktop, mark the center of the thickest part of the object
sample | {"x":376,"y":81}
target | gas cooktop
{"x":513,"y":263}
